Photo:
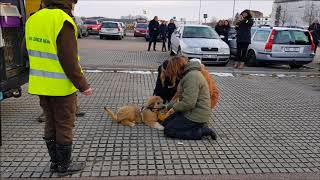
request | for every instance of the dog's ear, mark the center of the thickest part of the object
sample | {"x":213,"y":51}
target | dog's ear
{"x":150,"y":102}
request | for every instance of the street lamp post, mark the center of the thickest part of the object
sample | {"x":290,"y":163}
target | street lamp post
{"x":200,"y":13}
{"x":234,"y":5}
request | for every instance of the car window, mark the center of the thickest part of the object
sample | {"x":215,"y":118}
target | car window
{"x":261,"y":36}
{"x":142,"y":26}
{"x":199,"y":32}
{"x":295,"y":37}
{"x":253,"y":31}
{"x":90,"y":22}
{"x":109,"y":25}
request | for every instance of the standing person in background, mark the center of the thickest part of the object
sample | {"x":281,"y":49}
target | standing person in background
{"x":163,"y":34}
{"x":219,"y":27}
{"x":314,"y":28}
{"x":171,"y":28}
{"x":56,"y":76}
{"x":226,"y":30}
{"x":243,"y":28}
{"x":154,"y":28}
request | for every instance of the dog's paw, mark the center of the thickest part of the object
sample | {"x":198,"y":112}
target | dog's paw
{"x":159,"y":127}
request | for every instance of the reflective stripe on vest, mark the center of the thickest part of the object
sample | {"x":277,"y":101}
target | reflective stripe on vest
{"x":47,"y":76}
{"x":43,"y":55}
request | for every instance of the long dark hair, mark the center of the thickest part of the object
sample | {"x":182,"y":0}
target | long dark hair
{"x":249,"y":16}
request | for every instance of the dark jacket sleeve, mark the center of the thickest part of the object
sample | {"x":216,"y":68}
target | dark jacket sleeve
{"x":68,"y":57}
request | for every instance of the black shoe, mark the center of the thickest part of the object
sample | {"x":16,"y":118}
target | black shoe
{"x":65,"y":165}
{"x":42,"y":118}
{"x":51,"y":146}
{"x":209,"y":132}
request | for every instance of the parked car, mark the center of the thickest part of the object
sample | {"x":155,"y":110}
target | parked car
{"x":140,"y":29}
{"x":278,"y":45}
{"x":111,"y":29}
{"x":82,"y":28}
{"x":124,"y":27}
{"x":93,"y":26}
{"x":202,"y":42}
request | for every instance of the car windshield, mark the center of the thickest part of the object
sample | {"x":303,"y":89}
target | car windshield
{"x":90,"y":22}
{"x":199,"y":32}
{"x":294,"y":37}
{"x":142,"y":26}
{"x":109,"y":25}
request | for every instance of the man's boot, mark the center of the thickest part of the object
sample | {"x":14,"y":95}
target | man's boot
{"x":209,"y":132}
{"x":79,"y":113}
{"x":154,"y":46}
{"x":65,"y":165}
{"x":51,"y":145}
{"x":42,"y":118}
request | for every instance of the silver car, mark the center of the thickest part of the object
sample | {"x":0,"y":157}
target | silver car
{"x":202,"y":42}
{"x":278,"y":45}
{"x":111,"y":29}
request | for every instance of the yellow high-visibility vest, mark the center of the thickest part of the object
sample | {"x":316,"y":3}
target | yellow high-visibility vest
{"x":47,"y":77}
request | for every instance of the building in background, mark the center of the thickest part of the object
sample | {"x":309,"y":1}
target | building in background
{"x":262,"y":21}
{"x":294,"y":12}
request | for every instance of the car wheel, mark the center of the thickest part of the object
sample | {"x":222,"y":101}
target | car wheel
{"x":295,"y":66}
{"x":251,"y":58}
{"x":80,"y":35}
{"x":179,"y":52}
{"x":171,"y":52}
{"x":120,"y":37}
{"x":86,"y":34}
{"x":101,"y":37}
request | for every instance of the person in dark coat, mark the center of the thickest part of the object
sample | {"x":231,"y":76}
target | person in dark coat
{"x":154,"y":29}
{"x":226,"y":30}
{"x":315,"y":31}
{"x":164,"y":87}
{"x":191,"y":113}
{"x":243,"y":28}
{"x":219,"y":27}
{"x":163,"y":34}
{"x":171,"y":28}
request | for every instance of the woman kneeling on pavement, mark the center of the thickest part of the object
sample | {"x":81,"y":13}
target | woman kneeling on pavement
{"x":191,"y":112}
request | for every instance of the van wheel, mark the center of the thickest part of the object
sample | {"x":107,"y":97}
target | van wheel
{"x":295,"y":66}
{"x":251,"y":58}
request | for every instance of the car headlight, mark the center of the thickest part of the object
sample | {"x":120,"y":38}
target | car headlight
{"x":225,"y":50}
{"x":191,"y":50}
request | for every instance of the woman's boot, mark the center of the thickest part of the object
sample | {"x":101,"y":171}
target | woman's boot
{"x":206,"y":131}
{"x":236,"y":64}
{"x":241,"y":66}
{"x":51,"y":146}
{"x":65,"y":165}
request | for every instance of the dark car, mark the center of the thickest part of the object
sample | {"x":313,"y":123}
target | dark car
{"x":82,"y":28}
{"x":94,"y":26}
{"x":140,"y":30}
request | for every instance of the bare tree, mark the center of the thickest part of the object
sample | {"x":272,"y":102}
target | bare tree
{"x":277,"y":16}
{"x":310,"y":13}
{"x":283,"y":16}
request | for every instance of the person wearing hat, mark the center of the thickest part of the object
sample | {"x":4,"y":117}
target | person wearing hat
{"x":56,"y":76}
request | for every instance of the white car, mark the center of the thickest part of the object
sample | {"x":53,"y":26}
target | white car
{"x":111,"y":29}
{"x":201,"y":42}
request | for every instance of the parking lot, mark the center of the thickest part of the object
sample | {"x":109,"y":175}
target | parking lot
{"x":267,"y":121}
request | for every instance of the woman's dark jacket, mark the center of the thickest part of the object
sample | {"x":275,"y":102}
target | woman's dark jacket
{"x":244,"y":31}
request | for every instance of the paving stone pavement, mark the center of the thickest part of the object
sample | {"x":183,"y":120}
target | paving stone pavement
{"x":265,"y":125}
{"x":100,"y":58}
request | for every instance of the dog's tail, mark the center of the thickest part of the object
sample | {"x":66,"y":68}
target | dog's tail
{"x":111,"y":114}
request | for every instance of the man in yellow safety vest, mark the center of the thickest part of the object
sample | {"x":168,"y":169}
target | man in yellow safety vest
{"x":56,"y":76}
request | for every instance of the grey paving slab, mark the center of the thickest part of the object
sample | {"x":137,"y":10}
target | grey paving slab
{"x":265,"y":125}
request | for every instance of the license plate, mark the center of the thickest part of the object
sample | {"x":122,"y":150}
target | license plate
{"x":1,"y":96}
{"x":291,"y":49}
{"x":210,"y":56}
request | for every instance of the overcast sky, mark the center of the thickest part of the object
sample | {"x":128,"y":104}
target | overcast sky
{"x":167,"y":9}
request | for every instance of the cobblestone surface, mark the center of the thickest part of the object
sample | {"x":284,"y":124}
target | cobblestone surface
{"x":99,"y":58}
{"x":265,"y":125}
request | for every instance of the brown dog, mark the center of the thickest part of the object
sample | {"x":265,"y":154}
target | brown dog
{"x":132,"y":115}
